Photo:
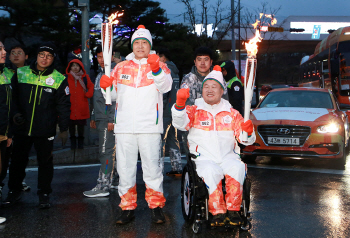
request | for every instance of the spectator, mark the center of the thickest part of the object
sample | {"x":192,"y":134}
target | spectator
{"x":141,"y":81}
{"x":81,"y":88}
{"x":169,"y":135}
{"x":117,"y":57}
{"x":102,"y":119}
{"x":234,"y":85}
{"x":40,"y":100}
{"x":18,"y":59}
{"x":203,"y":59}
{"x":5,"y":101}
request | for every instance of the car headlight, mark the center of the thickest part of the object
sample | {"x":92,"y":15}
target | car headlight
{"x":329,"y":128}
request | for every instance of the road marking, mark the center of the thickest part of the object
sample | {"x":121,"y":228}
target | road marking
{"x":166,"y":160}
{"x":311,"y":170}
{"x":184,"y":161}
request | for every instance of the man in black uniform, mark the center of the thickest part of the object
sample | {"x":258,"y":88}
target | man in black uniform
{"x":234,"y":85}
{"x":40,"y":100}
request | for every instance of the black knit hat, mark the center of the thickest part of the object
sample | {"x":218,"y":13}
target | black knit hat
{"x":47,"y":46}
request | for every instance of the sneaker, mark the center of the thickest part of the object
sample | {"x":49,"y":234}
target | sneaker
{"x":25,"y":187}
{"x":96,"y":193}
{"x":12,"y":198}
{"x":126,"y":217}
{"x":218,"y":220}
{"x":2,"y":219}
{"x":234,"y":219}
{"x":157,"y":215}
{"x":174,"y":173}
{"x":44,"y":201}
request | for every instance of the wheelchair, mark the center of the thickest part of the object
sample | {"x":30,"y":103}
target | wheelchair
{"x":194,"y":199}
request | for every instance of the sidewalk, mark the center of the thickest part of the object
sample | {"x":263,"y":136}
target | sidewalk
{"x":88,"y":155}
{"x":64,"y":155}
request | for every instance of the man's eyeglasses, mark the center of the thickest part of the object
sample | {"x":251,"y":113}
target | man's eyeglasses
{"x":48,"y":56}
{"x":17,"y":53}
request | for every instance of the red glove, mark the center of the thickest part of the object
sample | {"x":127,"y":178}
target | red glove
{"x":248,"y":127}
{"x":182,"y":96}
{"x":153,"y":61}
{"x":105,"y":82}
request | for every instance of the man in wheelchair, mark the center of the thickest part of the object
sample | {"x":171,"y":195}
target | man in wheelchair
{"x":213,"y":127}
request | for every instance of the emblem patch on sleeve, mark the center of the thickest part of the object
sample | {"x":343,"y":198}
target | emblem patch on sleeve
{"x":227,"y":119}
{"x":236,"y":88}
{"x":67,"y":90}
{"x":49,"y":81}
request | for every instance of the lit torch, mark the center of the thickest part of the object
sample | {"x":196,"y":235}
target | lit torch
{"x":107,"y":45}
{"x":250,"y":68}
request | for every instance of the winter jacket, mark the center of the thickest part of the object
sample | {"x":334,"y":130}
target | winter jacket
{"x":234,"y":87}
{"x":43,"y":100}
{"x":169,"y":98}
{"x":5,"y":99}
{"x":213,"y":129}
{"x":100,"y":111}
{"x":139,"y":96}
{"x":78,"y":98}
{"x":194,"y":81}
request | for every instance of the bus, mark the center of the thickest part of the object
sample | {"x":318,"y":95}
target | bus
{"x":329,"y":66}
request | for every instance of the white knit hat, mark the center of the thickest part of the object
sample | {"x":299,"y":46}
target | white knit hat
{"x":215,"y":75}
{"x":141,"y":33}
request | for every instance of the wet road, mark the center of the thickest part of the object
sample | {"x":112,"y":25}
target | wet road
{"x":290,"y":198}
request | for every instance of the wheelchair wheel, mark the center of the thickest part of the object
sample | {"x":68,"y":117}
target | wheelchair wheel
{"x":188,"y":196}
{"x":245,"y":214}
{"x":197,"y":227}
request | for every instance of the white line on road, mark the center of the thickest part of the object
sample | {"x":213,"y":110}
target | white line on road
{"x":311,"y":170}
{"x":167,"y":160}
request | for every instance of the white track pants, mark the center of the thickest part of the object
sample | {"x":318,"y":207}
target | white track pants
{"x":127,"y":147}
{"x":234,"y":170}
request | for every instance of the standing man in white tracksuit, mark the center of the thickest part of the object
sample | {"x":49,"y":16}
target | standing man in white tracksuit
{"x":213,"y":127}
{"x":140,"y":82}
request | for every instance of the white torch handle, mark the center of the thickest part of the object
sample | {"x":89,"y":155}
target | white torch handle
{"x":248,"y":94}
{"x":107,"y":58}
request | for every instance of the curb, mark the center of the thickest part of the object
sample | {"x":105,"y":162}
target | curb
{"x":87,"y":155}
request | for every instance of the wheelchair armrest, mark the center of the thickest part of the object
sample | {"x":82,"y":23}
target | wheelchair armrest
{"x":192,"y":156}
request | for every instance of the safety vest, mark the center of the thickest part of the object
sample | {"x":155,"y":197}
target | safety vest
{"x":231,"y":81}
{"x":5,"y":77}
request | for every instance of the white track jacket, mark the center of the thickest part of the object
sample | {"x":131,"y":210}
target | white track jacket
{"x":212,"y":129}
{"x":139,"y":99}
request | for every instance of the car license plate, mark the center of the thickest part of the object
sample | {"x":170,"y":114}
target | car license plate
{"x":283,"y":141}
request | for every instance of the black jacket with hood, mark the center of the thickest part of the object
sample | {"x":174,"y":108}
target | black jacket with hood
{"x":42,"y":98}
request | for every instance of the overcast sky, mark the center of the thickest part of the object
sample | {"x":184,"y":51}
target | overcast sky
{"x":288,"y":7}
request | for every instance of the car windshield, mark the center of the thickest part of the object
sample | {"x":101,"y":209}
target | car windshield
{"x":294,"y":98}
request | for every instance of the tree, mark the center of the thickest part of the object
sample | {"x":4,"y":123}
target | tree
{"x":30,"y":22}
{"x":272,"y":67}
{"x":218,"y":15}
{"x":136,"y":12}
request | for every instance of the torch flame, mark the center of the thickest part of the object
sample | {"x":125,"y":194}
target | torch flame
{"x":273,"y":19}
{"x":112,"y":18}
{"x":251,"y":46}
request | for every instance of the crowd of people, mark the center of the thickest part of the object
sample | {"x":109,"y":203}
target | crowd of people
{"x":147,"y":112}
